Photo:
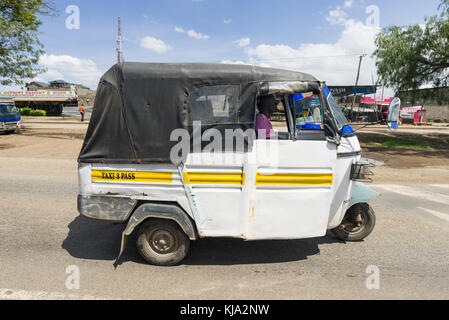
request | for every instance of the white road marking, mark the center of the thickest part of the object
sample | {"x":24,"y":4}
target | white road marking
{"x":8,"y":294}
{"x":415,"y":193}
{"x":438,"y":214}
{"x":444,"y":186}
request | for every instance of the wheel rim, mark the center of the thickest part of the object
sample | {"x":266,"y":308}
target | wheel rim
{"x":162,"y":241}
{"x":355,"y":222}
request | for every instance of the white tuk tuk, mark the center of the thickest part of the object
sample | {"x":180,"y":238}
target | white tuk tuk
{"x":172,"y":152}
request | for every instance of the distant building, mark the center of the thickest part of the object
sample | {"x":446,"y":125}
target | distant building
{"x":53,"y":85}
{"x":34,"y":86}
{"x":52,"y":97}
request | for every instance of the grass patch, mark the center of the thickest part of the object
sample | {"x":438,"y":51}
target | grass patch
{"x":403,"y":143}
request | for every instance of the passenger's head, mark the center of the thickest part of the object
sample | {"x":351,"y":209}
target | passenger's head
{"x":267,"y":105}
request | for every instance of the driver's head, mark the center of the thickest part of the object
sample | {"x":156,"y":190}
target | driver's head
{"x":267,"y":105}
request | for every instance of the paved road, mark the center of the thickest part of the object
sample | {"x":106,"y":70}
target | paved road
{"x":41,"y":235}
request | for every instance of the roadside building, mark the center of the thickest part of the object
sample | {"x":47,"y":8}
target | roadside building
{"x":53,"y":102}
{"x":53,"y":97}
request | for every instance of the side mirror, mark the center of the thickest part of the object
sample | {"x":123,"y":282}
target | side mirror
{"x":393,"y":114}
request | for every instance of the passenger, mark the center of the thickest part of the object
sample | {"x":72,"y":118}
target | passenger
{"x":264,"y":129}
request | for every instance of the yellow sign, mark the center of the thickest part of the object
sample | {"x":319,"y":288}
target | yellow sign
{"x":132,"y":176}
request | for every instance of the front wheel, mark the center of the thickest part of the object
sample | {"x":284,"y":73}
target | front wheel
{"x":162,"y":242}
{"x":357,"y":224}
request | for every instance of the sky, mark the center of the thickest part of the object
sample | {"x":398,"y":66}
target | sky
{"x":321,"y":37}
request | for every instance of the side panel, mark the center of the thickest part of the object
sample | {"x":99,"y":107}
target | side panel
{"x":137,"y":182}
{"x":293,"y":193}
{"x":214,"y":183}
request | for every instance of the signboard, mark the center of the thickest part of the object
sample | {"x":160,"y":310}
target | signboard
{"x":349,"y":90}
{"x":370,"y":100}
{"x":408,"y":113}
{"x":37,"y":94}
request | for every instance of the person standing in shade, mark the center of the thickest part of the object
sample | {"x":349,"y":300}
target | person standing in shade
{"x":82,"y":112}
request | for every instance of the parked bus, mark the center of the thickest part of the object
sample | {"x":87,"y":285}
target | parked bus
{"x":9,"y":117}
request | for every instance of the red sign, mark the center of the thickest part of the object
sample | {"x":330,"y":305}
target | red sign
{"x":372,"y":101}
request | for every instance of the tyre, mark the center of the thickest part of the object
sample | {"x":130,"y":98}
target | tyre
{"x":162,"y":242}
{"x":357,"y":224}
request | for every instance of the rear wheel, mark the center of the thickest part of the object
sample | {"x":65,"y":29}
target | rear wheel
{"x":357,"y":224}
{"x":162,"y":242}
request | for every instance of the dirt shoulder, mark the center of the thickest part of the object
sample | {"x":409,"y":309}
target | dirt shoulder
{"x":415,"y":157}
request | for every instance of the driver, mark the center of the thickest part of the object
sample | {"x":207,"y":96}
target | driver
{"x":267,"y":105}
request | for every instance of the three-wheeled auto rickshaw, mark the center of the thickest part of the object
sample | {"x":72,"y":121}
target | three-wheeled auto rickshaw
{"x":171,"y":152}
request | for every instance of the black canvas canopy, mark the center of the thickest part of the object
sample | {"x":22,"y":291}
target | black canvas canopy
{"x":138,"y":105}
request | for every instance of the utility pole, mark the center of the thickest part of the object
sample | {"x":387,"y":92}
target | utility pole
{"x":356,"y":84}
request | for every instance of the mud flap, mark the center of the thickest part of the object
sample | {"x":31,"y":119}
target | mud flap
{"x":158,"y":211}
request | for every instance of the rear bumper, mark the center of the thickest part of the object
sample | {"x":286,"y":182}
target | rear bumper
{"x":106,"y":208}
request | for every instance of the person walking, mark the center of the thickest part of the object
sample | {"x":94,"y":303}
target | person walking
{"x":82,"y":112}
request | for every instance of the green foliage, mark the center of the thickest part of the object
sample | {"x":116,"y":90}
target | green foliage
{"x":402,"y":143}
{"x":20,"y":48}
{"x":408,"y":58}
{"x":38,"y":113}
{"x":25,"y":111}
{"x":32,"y":113}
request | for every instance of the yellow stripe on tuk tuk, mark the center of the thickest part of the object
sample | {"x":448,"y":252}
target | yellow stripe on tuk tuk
{"x":287,"y":179}
{"x":132,"y":176}
{"x":236,"y":178}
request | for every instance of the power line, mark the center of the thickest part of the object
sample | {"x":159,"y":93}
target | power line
{"x":314,"y":57}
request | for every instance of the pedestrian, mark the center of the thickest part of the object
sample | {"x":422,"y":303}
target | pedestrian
{"x":82,"y":112}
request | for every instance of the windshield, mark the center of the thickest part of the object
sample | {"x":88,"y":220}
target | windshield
{"x":8,"y":109}
{"x":340,"y":118}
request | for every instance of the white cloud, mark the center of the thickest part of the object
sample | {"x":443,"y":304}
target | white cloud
{"x":192,"y":33}
{"x":197,"y":35}
{"x":338,"y":15}
{"x":233,"y":62}
{"x":348,"y":4}
{"x":179,"y":29}
{"x":70,"y":69}
{"x":154,"y":44}
{"x":227,"y":21}
{"x":335,"y":62}
{"x":244,"y":42}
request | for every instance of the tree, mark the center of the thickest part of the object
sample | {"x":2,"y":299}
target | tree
{"x":20,"y":48}
{"x":416,"y":56}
